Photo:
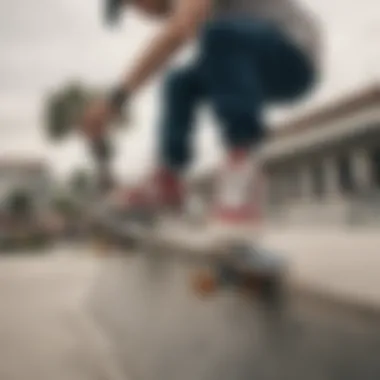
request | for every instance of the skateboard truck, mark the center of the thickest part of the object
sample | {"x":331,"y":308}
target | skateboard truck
{"x":247,"y":269}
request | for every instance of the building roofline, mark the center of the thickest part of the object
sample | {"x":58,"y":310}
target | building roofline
{"x":341,"y":107}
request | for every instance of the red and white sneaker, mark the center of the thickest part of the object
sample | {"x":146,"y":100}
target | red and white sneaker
{"x":237,"y":210}
{"x":164,"y":191}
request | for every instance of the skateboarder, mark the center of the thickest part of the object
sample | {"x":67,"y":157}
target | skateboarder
{"x":251,"y":54}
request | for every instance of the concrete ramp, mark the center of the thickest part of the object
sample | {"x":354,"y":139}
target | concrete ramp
{"x":158,"y":329}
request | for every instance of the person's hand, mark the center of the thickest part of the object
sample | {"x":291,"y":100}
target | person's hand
{"x":96,"y":118}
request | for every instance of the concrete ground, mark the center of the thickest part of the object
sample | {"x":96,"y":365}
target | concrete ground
{"x":160,"y":329}
{"x":44,"y":333}
{"x":340,"y":263}
{"x":71,"y":316}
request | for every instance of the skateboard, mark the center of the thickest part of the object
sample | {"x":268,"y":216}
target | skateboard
{"x":240,"y":266}
{"x":246,"y":269}
{"x":243,"y":267}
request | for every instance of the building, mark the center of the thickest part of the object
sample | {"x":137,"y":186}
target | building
{"x":31,"y":177}
{"x":324,"y":167}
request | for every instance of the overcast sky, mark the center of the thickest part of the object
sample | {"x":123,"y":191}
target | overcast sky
{"x":44,"y":43}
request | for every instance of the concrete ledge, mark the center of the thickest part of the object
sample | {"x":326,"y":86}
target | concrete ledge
{"x":335,"y":304}
{"x":340,"y":264}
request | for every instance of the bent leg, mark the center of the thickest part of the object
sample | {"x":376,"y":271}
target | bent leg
{"x":233,"y":83}
{"x":247,"y":65}
{"x":181,"y":96}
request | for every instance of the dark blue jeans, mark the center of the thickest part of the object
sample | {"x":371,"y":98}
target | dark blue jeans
{"x":242,"y":67}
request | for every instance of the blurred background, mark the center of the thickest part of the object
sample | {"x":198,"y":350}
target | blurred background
{"x":322,"y":209}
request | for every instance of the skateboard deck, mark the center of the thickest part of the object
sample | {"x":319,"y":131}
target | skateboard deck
{"x":221,"y":264}
{"x":241,"y":266}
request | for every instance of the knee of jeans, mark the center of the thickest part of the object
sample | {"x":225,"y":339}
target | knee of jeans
{"x":242,"y":123}
{"x":245,"y":132}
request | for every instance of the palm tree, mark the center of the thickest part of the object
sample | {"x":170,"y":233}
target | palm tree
{"x":64,"y":108}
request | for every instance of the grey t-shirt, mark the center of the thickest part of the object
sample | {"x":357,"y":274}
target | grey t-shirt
{"x":298,"y":23}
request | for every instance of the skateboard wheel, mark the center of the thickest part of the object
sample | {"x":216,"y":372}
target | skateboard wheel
{"x":228,"y":276}
{"x":272,"y":291}
{"x":204,"y":284}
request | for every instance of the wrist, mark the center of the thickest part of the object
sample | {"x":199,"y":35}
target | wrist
{"x":117,"y":98}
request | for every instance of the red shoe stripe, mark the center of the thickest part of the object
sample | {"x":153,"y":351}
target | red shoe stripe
{"x":238,"y":215}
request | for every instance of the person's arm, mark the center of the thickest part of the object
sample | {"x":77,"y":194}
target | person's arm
{"x":180,"y":27}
